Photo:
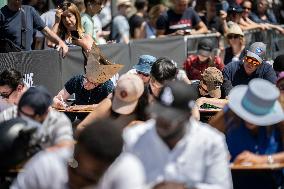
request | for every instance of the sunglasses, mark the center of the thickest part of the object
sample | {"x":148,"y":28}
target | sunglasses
{"x":247,"y":8}
{"x":5,"y":95}
{"x":142,"y":73}
{"x":233,"y":36}
{"x":64,"y":5}
{"x":252,"y":61}
{"x":86,"y":80}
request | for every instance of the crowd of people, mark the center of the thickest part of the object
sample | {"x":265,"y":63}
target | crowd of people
{"x":142,"y":129}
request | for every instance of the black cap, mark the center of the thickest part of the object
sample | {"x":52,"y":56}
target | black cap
{"x":278,"y":64}
{"x":176,"y":98}
{"x":205,"y":47}
{"x":15,"y":136}
{"x":38,"y":98}
{"x":235,"y":8}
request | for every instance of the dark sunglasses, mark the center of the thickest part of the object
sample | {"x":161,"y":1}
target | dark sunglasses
{"x":252,"y":61}
{"x":142,"y":73}
{"x":246,"y":8}
{"x":5,"y":95}
{"x":64,"y":5}
{"x":233,"y":36}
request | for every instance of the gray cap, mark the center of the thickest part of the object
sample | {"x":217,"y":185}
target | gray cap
{"x":257,"y":50}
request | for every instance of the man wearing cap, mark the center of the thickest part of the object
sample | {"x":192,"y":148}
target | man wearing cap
{"x":180,"y":20}
{"x":196,"y":64}
{"x":143,"y":67}
{"x":120,"y":29}
{"x":174,"y":148}
{"x":54,"y":128}
{"x":253,"y":65}
{"x":128,"y":100}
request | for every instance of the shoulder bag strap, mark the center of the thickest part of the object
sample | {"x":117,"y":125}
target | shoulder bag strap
{"x":23,"y":29}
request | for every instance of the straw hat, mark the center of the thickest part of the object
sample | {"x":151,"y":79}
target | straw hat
{"x":98,"y":68}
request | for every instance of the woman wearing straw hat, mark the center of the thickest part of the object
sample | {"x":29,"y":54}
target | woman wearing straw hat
{"x":253,"y":123}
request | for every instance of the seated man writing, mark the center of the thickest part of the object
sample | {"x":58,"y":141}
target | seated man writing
{"x":89,"y":89}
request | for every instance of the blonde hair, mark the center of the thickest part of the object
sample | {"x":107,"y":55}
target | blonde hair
{"x":156,"y":10}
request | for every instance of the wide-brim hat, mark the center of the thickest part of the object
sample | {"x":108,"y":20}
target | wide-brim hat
{"x":98,"y":68}
{"x":257,"y":103}
{"x":145,"y":63}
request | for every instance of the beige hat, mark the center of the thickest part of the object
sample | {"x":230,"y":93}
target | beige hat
{"x":123,"y":2}
{"x":98,"y":68}
{"x":129,"y":89}
{"x":234,"y":28}
{"x":213,"y":79}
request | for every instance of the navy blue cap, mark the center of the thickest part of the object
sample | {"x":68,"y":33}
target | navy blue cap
{"x":235,"y":8}
{"x":145,"y":63}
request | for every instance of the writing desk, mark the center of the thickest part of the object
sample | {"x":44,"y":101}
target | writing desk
{"x":264,"y":176}
{"x":274,"y":166}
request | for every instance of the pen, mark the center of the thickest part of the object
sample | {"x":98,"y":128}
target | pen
{"x":64,"y":104}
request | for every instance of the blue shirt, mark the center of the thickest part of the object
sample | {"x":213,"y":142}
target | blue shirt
{"x":235,"y":72}
{"x":270,"y":18}
{"x":239,"y":138}
{"x":85,"y":97}
{"x":11,"y":23}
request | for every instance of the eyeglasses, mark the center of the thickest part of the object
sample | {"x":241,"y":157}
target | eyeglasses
{"x":5,"y":95}
{"x":252,"y":61}
{"x":142,"y":73}
{"x":233,"y":36}
{"x":86,"y":80}
{"x":247,"y":8}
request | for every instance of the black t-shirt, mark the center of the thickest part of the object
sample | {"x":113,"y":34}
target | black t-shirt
{"x":235,"y":72}
{"x":214,"y":25}
{"x":171,"y":22}
{"x":11,"y":24}
{"x":229,"y":55}
{"x":135,"y":21}
{"x":225,"y":89}
{"x":85,"y":97}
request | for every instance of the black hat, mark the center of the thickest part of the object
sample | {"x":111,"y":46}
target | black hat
{"x":235,"y":8}
{"x":176,"y":98}
{"x":15,"y":136}
{"x":205,"y":47}
{"x":278,"y":64}
{"x":38,"y":98}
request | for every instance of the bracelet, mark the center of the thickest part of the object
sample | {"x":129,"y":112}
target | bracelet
{"x":270,"y":159}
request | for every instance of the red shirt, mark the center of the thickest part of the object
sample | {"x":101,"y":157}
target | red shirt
{"x":194,"y":68}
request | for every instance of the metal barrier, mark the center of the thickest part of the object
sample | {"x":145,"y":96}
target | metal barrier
{"x":47,"y":68}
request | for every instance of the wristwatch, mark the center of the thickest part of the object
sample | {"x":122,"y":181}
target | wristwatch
{"x":270,"y":159}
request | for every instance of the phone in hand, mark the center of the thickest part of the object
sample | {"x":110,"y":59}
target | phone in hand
{"x":75,"y":35}
{"x":220,"y":6}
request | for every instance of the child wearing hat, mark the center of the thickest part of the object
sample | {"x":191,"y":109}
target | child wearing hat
{"x":195,"y":65}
